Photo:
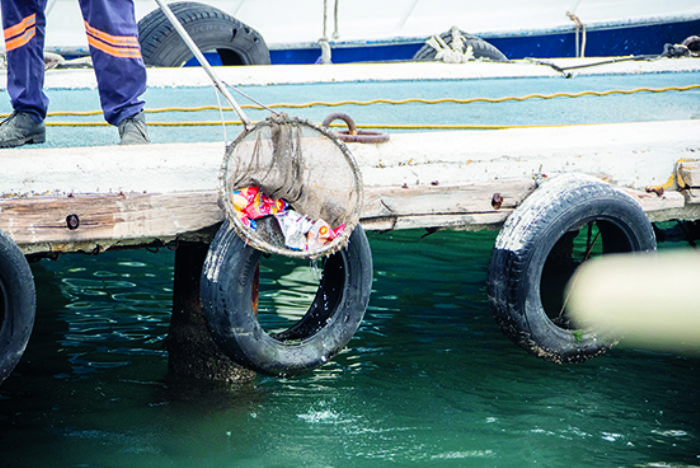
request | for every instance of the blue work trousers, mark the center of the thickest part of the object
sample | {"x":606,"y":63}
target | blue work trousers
{"x":112,"y":34}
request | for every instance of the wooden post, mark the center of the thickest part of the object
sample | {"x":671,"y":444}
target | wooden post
{"x":192,"y":354}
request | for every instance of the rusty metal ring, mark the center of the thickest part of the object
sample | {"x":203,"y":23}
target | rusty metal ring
{"x":352,"y":134}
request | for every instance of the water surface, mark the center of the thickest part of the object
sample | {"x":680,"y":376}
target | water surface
{"x":429,"y":380}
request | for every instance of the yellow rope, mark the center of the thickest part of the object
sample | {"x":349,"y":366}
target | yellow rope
{"x":362,"y":103}
{"x":438,"y":101}
{"x":362,"y":126}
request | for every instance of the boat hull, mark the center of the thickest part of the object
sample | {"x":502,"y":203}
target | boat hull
{"x":609,"y":41}
{"x":395,"y":30}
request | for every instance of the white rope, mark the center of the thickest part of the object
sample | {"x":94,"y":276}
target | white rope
{"x":52,"y":60}
{"x":324,"y":32}
{"x":325,"y":51}
{"x":453,"y":53}
{"x":580,"y":50}
{"x":221,"y":113}
{"x":324,"y":42}
{"x":457,"y":40}
{"x":336,"y":30}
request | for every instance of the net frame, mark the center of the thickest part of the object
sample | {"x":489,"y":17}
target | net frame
{"x":230,"y":178}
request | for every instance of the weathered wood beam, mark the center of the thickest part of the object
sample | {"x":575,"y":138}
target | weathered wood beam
{"x":101,"y":222}
{"x":126,"y":196}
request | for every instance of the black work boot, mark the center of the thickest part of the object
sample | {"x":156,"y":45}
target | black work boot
{"x":132,"y":130}
{"x":21,"y":129}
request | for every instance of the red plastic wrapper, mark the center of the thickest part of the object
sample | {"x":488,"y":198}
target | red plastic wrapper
{"x":300,"y":232}
{"x":251,"y":203}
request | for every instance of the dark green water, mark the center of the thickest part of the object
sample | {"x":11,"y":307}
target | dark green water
{"x":429,"y":380}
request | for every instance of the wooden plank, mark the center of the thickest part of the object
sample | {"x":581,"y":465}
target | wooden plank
{"x":688,"y":173}
{"x":467,"y":221}
{"x":653,"y":202}
{"x":692,"y":196}
{"x":39,"y":224}
{"x":441,"y":199}
{"x":635,"y":155}
{"x":126,"y":196}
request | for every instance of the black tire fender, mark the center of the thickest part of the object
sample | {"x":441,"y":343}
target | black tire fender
{"x":325,"y":329}
{"x":482,"y":49}
{"x":209,"y":27}
{"x":530,"y":253}
{"x":18,"y":304}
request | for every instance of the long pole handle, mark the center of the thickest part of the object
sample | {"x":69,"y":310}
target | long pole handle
{"x":203,"y":62}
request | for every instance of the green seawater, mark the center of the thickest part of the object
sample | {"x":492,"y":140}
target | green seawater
{"x":428,"y":380}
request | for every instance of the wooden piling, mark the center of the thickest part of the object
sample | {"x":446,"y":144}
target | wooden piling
{"x":192,"y":354}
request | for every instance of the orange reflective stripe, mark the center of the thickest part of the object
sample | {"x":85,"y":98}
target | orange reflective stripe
{"x":117,"y":46}
{"x":21,"y":33}
{"x":20,"y":27}
{"x":119,"y":41}
{"x":120,"y":52}
{"x":20,"y":41}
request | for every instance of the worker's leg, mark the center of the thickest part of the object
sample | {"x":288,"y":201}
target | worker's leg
{"x":121,"y":75}
{"x":24,"y":25}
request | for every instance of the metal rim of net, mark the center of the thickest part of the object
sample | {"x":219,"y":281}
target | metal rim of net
{"x":255,"y":240}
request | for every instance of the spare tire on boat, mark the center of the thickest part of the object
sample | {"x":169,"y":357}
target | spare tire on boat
{"x":17,"y":305}
{"x":564,"y":222}
{"x":480,"y":48}
{"x":210,"y":28}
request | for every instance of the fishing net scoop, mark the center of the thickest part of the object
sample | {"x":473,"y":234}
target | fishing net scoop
{"x":287,"y":186}
{"x":290,"y":187}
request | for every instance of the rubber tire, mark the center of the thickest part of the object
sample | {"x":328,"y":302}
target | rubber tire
{"x":17,"y":302}
{"x":325,"y":329}
{"x":481,"y":48}
{"x":560,"y":205}
{"x":209,"y":27}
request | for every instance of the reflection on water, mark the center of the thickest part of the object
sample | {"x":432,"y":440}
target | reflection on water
{"x":429,"y":380}
{"x":287,"y":289}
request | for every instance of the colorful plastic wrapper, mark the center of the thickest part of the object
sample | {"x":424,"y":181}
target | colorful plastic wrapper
{"x":306,"y":167}
{"x":300,"y":232}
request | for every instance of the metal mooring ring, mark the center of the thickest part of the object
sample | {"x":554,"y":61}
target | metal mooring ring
{"x":352,"y":134}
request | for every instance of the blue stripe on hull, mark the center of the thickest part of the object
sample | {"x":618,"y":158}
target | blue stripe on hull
{"x":633,"y":40}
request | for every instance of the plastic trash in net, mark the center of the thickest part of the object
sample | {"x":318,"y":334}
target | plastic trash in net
{"x":299,"y":232}
{"x":301,"y":169}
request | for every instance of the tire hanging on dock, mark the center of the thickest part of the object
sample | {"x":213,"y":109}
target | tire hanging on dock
{"x":227,"y":290}
{"x":564,"y":222}
{"x":210,"y":28}
{"x":17,"y":305}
